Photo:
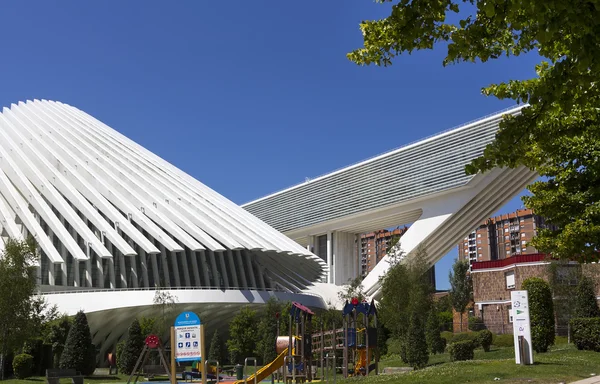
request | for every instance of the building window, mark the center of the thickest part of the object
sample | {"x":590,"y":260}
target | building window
{"x":506,"y":230}
{"x":479,"y":235}
{"x":510,"y":279}
{"x":523,"y":242}
{"x":478,"y":241}
{"x":480,"y":255}
{"x":522,"y":234}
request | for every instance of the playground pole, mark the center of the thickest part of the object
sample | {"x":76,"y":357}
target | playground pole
{"x":173,"y":375}
{"x":203,"y":356}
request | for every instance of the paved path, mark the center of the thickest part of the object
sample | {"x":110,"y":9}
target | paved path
{"x":591,"y":380}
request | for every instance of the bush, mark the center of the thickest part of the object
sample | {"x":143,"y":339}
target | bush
{"x":504,"y":341}
{"x":586,"y":333}
{"x":586,"y":305}
{"x":434,"y":340}
{"x":476,"y":324}
{"x":22,"y":366}
{"x":461,"y":350}
{"x":446,"y":321}
{"x":446,"y":335}
{"x":394,"y":346}
{"x":541,"y":312}
{"x":466,"y":336}
{"x":79,"y":353}
{"x":484,"y":339}
{"x":132,"y":349}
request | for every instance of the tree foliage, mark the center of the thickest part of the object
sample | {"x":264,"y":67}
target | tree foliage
{"x":558,"y":132}
{"x":18,"y":301}
{"x":132,"y":348}
{"x":267,"y":330}
{"x":242,"y":335}
{"x":79,"y":352}
{"x":405,"y":288}
{"x":56,"y":336}
{"x":417,"y":354}
{"x":352,"y":290}
{"x":435,"y":342}
{"x":461,"y":288}
{"x":541,"y":313}
{"x":586,"y":304}
{"x":217,"y":349}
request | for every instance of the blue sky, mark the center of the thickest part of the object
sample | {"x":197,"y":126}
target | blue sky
{"x":248,"y":97}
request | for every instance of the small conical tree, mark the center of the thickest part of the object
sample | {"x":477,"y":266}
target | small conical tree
{"x":132,"y":349}
{"x":541,"y":313}
{"x":417,"y":355}
{"x":432,"y":333}
{"x":585,"y":299}
{"x":79,"y":352}
{"x":217,"y":349}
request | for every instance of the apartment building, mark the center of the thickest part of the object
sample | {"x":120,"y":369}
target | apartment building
{"x":502,"y":237}
{"x":374,"y":246}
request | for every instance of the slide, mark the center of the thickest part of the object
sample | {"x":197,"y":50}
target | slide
{"x":267,"y":370}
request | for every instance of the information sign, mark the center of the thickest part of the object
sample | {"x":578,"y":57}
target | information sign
{"x":187,"y":337}
{"x":521,"y":326}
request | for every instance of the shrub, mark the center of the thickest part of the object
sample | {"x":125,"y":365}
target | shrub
{"x":22,"y":366}
{"x":446,"y":321}
{"x":586,"y":333}
{"x":434,"y":340}
{"x":394,"y":346}
{"x":484,"y":339}
{"x":461,"y":350}
{"x":417,"y":355}
{"x":447,"y":336}
{"x":586,"y":305}
{"x":541,"y":312}
{"x":504,"y":341}
{"x":466,"y":336}
{"x":79,"y":353}
{"x":476,"y":324}
{"x":132,"y":349}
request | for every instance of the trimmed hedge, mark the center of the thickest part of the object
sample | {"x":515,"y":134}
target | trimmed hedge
{"x":541,"y":311}
{"x":476,"y":324}
{"x":484,"y":339}
{"x":586,"y":333}
{"x":461,"y":350}
{"x":504,"y":341}
{"x":23,"y":366}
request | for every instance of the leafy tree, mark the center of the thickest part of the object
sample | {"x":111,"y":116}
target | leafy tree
{"x":79,"y":352}
{"x":433,"y":336}
{"x":242,"y":335}
{"x":267,"y":330}
{"x":541,"y":313}
{"x":329,"y":318}
{"x":417,"y":354}
{"x":56,"y":336}
{"x":217,"y":349}
{"x":443,"y":304}
{"x":560,"y":275}
{"x":352,"y":290}
{"x":461,"y":288}
{"x":17,"y":295}
{"x":148,"y":325}
{"x":558,"y":133}
{"x":132,"y":349}
{"x":585,"y":300}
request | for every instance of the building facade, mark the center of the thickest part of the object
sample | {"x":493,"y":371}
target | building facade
{"x":114,"y":223}
{"x":493,"y":282}
{"x":502,"y":237}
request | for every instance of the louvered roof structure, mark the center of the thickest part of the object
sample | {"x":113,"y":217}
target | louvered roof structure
{"x":109,"y":214}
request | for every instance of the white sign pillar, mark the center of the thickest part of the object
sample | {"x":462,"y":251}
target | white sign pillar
{"x":521,"y":327}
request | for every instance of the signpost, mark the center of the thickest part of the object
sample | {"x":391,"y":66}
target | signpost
{"x":187,"y":342}
{"x":521,"y":327}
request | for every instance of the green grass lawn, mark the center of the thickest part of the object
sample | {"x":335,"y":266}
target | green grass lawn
{"x":97,"y":379}
{"x":563,"y":363}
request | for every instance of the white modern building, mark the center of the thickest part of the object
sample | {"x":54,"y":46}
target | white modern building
{"x":114,"y":221}
{"x":423,"y":184}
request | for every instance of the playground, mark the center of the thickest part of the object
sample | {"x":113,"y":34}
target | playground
{"x":303,"y":354}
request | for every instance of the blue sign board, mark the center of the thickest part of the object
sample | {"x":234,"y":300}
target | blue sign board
{"x":187,"y":337}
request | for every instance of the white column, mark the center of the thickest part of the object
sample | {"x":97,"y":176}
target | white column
{"x":144,"y":262}
{"x":330,"y":257}
{"x":154,"y":269}
{"x":88,"y":266}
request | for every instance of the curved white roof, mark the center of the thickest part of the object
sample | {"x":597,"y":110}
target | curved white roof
{"x":125,"y":217}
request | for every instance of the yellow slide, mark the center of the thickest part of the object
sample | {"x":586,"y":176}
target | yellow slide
{"x":267,"y":370}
